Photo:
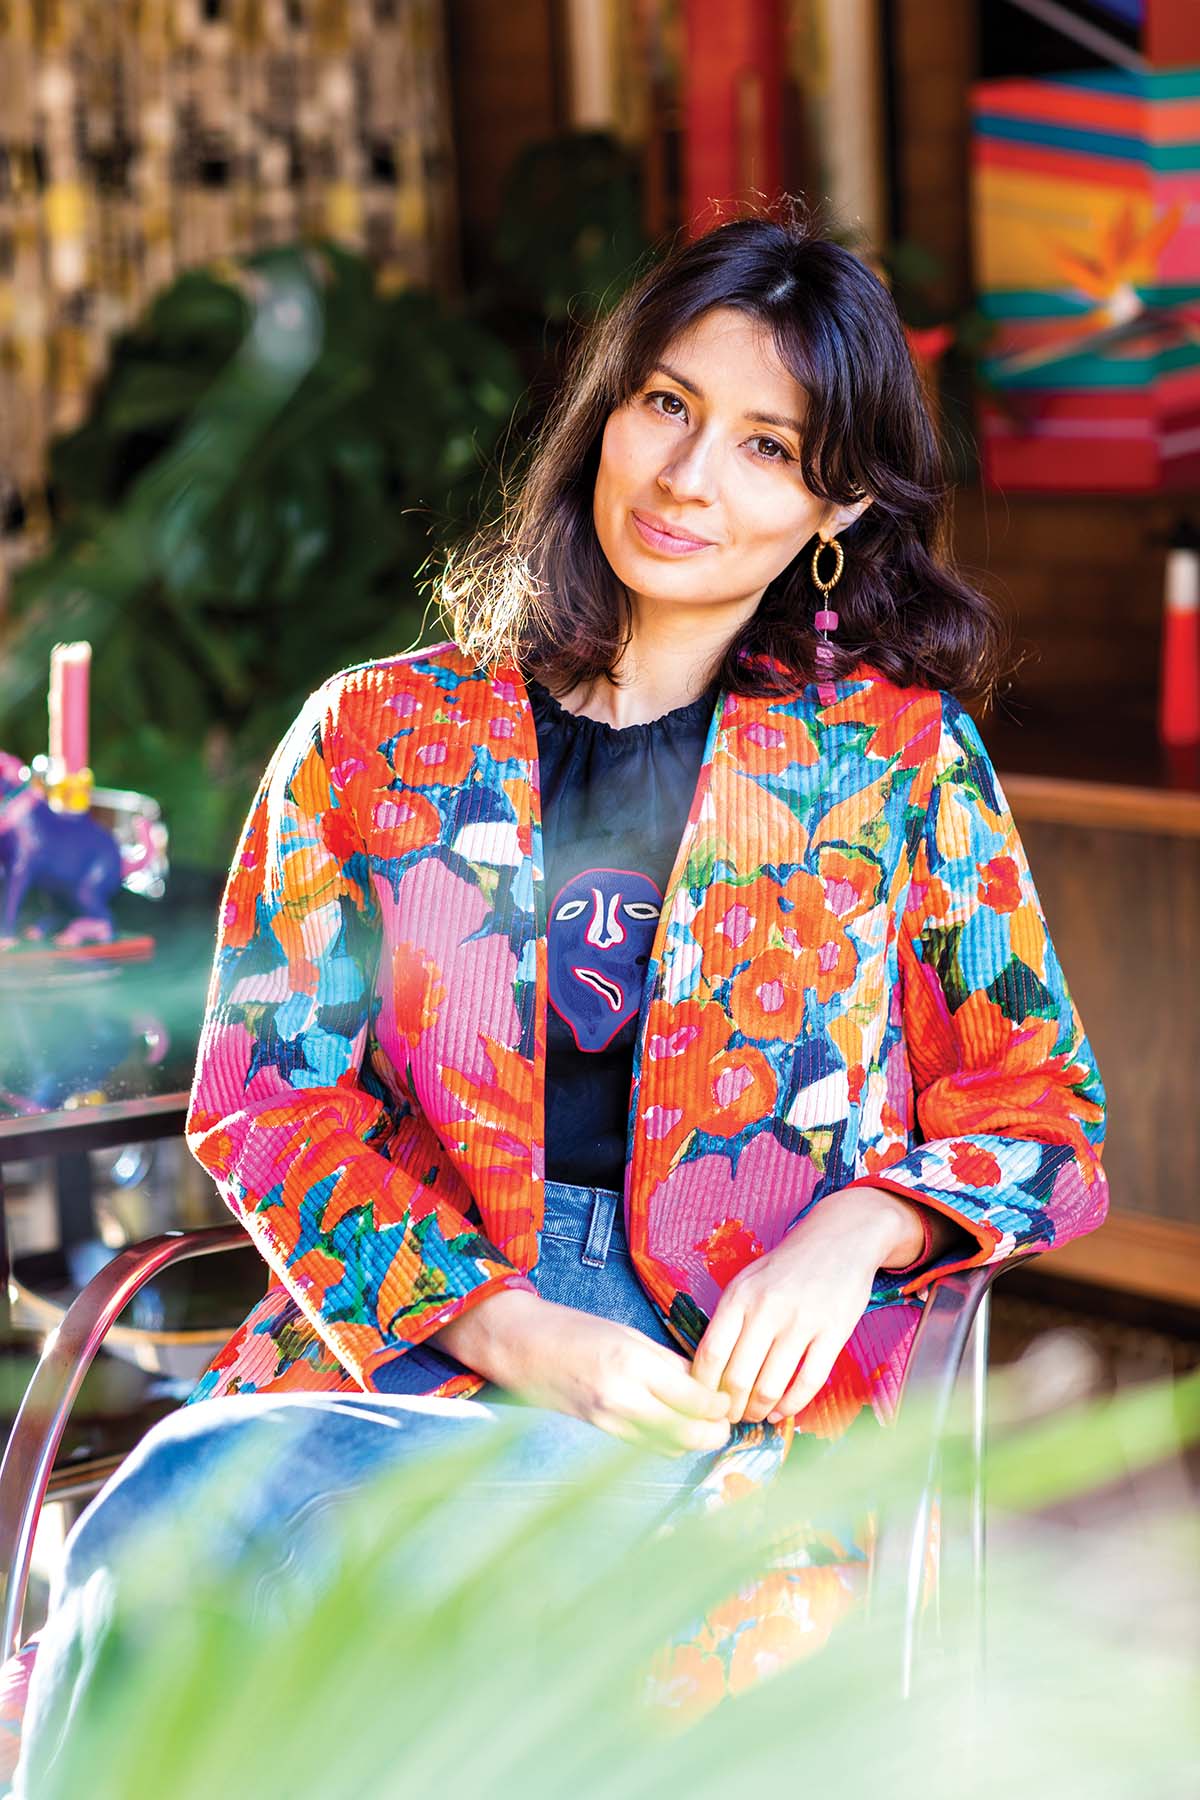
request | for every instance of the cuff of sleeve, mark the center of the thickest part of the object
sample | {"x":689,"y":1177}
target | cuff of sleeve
{"x":985,"y":1235}
{"x":432,"y":1321}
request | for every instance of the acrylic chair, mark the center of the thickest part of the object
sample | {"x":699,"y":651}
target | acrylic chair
{"x":951,"y":1336}
{"x":949,"y":1351}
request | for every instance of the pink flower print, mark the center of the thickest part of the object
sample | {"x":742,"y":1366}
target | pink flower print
{"x":767,"y":737}
{"x":659,"y":1047}
{"x":771,"y":1188}
{"x":659,"y":1121}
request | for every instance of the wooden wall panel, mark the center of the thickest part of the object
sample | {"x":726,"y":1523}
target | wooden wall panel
{"x":1124,"y":914}
{"x":933,"y":47}
{"x":508,"y":83}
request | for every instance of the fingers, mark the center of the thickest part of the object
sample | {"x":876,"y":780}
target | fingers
{"x":673,"y":1382}
{"x":716,"y":1346}
{"x":750,"y":1357}
{"x":780,"y":1367}
{"x":660,"y":1427}
{"x":746,"y":1363}
{"x":810,"y":1378}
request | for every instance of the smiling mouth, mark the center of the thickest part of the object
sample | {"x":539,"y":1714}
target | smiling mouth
{"x":660,"y":537}
{"x":600,"y":984}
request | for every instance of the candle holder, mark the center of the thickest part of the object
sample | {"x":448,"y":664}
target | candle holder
{"x":67,"y":845}
{"x":67,"y":790}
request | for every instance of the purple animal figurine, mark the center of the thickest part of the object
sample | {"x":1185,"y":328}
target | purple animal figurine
{"x":67,"y":856}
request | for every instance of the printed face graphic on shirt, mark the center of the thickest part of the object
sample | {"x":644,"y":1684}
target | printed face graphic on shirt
{"x":601,"y":932}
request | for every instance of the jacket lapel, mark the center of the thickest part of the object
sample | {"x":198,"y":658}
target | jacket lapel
{"x":730,"y":1030}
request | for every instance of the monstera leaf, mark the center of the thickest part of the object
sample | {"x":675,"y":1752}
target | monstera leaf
{"x":273,"y":453}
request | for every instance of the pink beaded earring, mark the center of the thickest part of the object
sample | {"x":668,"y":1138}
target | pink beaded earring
{"x":826,"y":619}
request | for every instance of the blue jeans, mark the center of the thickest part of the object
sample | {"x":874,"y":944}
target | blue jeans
{"x":307,"y":1451}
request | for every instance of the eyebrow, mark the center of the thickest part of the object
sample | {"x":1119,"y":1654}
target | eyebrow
{"x":758,"y":418}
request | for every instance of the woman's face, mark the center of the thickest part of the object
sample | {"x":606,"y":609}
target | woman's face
{"x":699,"y":500}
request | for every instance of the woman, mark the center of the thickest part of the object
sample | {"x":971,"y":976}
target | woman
{"x":631,"y":1003}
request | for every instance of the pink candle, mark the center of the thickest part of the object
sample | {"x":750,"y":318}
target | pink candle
{"x":70,"y":668}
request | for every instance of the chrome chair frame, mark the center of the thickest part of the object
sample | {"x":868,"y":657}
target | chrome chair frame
{"x":953,"y":1321}
{"x":41,"y":1420}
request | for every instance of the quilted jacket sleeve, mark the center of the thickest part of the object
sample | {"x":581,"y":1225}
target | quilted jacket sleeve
{"x":282,"y":1114}
{"x":1010,"y":1108}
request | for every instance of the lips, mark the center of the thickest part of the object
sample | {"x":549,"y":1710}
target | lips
{"x":668,"y":538}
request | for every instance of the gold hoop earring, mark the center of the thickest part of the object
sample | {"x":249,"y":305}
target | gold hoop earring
{"x":835,"y":546}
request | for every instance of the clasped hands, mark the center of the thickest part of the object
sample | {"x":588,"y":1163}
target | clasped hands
{"x":769,"y":1348}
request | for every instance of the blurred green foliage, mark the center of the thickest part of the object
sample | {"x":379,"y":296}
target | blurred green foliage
{"x":569,"y":238}
{"x":248,"y":508}
{"x":497,"y":1660}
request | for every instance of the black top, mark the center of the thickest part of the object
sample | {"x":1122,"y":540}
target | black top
{"x":615,"y":800}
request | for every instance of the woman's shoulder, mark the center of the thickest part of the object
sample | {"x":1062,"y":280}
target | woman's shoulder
{"x":922,"y":725}
{"x":433,"y":670}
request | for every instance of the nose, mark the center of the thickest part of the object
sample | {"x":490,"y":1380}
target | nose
{"x":690,"y":474}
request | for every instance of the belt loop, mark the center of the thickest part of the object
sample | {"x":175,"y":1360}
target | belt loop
{"x":604,"y":1211}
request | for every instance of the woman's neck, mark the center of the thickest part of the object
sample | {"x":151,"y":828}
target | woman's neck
{"x":658,"y":671}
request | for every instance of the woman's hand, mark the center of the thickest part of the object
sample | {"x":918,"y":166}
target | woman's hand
{"x":610,"y":1375}
{"x":782,"y":1321}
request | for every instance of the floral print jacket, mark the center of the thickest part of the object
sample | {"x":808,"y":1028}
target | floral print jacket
{"x":851,"y":980}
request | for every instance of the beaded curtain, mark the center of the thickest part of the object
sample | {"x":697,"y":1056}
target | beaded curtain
{"x":142,"y":137}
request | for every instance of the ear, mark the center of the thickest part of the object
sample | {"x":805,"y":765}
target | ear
{"x":842,"y":516}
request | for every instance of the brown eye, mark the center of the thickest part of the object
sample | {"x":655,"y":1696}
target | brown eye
{"x":775,"y":451}
{"x":662,"y":394}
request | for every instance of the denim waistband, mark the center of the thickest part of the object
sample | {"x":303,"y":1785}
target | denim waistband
{"x":591,"y":1216}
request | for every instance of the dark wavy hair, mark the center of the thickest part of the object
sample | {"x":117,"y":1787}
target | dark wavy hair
{"x":535,"y":586}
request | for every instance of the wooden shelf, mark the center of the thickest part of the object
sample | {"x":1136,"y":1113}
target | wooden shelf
{"x":1092,"y":759}
{"x":1050,"y":799}
{"x":1136,"y":1254}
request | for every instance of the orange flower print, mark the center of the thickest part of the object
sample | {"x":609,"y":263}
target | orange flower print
{"x":828,"y":960}
{"x":815,"y":1600}
{"x":338,"y":833}
{"x":239,"y":916}
{"x":418,"y":990}
{"x":400,"y":822}
{"x":879,"y":1160}
{"x":725,"y":925}
{"x":742,"y":1085}
{"x":910,"y":730}
{"x":850,"y":882}
{"x":444,"y":756}
{"x":765,"y":748}
{"x":767,"y":999}
{"x":766,"y":1647}
{"x":1000,"y":884}
{"x":672,"y":1031}
{"x":974,"y":1165}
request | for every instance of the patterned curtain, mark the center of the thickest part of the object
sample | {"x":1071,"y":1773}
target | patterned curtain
{"x":141,"y":137}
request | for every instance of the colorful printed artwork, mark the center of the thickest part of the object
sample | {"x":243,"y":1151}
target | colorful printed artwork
{"x":601,"y":931}
{"x":1087,"y":249}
